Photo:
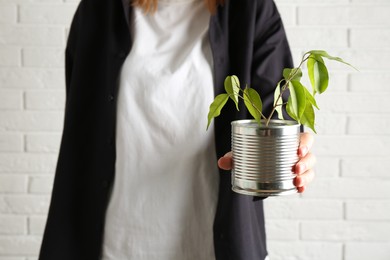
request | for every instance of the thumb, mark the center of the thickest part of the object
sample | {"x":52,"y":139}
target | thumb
{"x":226,"y":162}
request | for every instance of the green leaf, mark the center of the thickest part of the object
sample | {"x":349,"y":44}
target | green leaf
{"x":216,"y":107}
{"x":253,"y":103}
{"x":278,"y":102}
{"x":290,"y":111}
{"x":318,"y":73}
{"x":310,"y":98}
{"x":292,"y":74}
{"x":297,"y":98}
{"x":308,"y":117}
{"x":326,"y":55}
{"x":232,"y":87}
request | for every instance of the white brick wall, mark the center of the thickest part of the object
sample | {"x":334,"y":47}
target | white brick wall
{"x":32,"y":39}
{"x":345,"y":213}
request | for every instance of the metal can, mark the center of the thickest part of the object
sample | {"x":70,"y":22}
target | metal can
{"x":264,"y":157}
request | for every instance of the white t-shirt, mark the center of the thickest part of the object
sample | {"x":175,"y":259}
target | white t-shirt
{"x":165,"y":191}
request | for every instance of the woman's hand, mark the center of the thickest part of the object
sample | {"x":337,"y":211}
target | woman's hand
{"x":303,"y":169}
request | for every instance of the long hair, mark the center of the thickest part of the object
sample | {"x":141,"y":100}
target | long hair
{"x":150,"y":6}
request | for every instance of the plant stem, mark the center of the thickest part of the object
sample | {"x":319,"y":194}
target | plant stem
{"x":255,"y":107}
{"x":285,"y":86}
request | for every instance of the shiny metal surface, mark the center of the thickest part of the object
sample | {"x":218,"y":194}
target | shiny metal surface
{"x":263,"y":157}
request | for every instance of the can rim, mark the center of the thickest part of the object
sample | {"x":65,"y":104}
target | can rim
{"x":274,"y":123}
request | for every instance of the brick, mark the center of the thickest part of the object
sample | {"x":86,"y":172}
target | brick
{"x":326,"y":15}
{"x":41,"y":184}
{"x":368,"y":60}
{"x":10,"y":183}
{"x":369,"y":81}
{"x":27,"y":163}
{"x":43,"y":142}
{"x":304,"y":250}
{"x":319,"y":38}
{"x":43,"y":57}
{"x":341,"y":230}
{"x":364,"y":251}
{"x":301,"y":209}
{"x":361,"y":146}
{"x":47,"y":13}
{"x":11,"y":224}
{"x":326,"y":167}
{"x":36,"y":225}
{"x":26,"y":204}
{"x":27,"y":78}
{"x":20,"y":245}
{"x":370,"y":125}
{"x":330,"y":124}
{"x":10,"y":142}
{"x":31,"y":35}
{"x":354,"y":103}
{"x":366,"y":167}
{"x":31,"y":121}
{"x":348,"y":188}
{"x":8,"y":13}
{"x":368,"y":210}
{"x":9,"y":56}
{"x":45,"y":100}
{"x":282,"y":229}
{"x":344,"y":15}
{"x":370,"y":38}
{"x":287,"y":13}
{"x":11,"y":99}
{"x":380,"y":19}
{"x":338,"y":81}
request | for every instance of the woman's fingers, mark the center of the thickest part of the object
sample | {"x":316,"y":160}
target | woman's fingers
{"x":305,"y":163}
{"x":304,"y":167}
{"x":301,"y":181}
{"x":305,"y":144}
{"x":226,"y":162}
{"x":304,"y":179}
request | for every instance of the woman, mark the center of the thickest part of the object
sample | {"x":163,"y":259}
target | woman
{"x":136,"y":176}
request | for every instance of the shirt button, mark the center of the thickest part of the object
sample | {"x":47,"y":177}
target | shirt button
{"x":110,"y":98}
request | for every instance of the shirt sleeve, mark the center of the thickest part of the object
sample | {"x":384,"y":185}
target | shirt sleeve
{"x":70,"y":47}
{"x":271,"y":52}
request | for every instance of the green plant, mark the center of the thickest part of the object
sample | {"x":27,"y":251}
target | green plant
{"x":300,"y":104}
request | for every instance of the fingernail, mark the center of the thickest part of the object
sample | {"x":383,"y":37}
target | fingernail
{"x":298,"y":182}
